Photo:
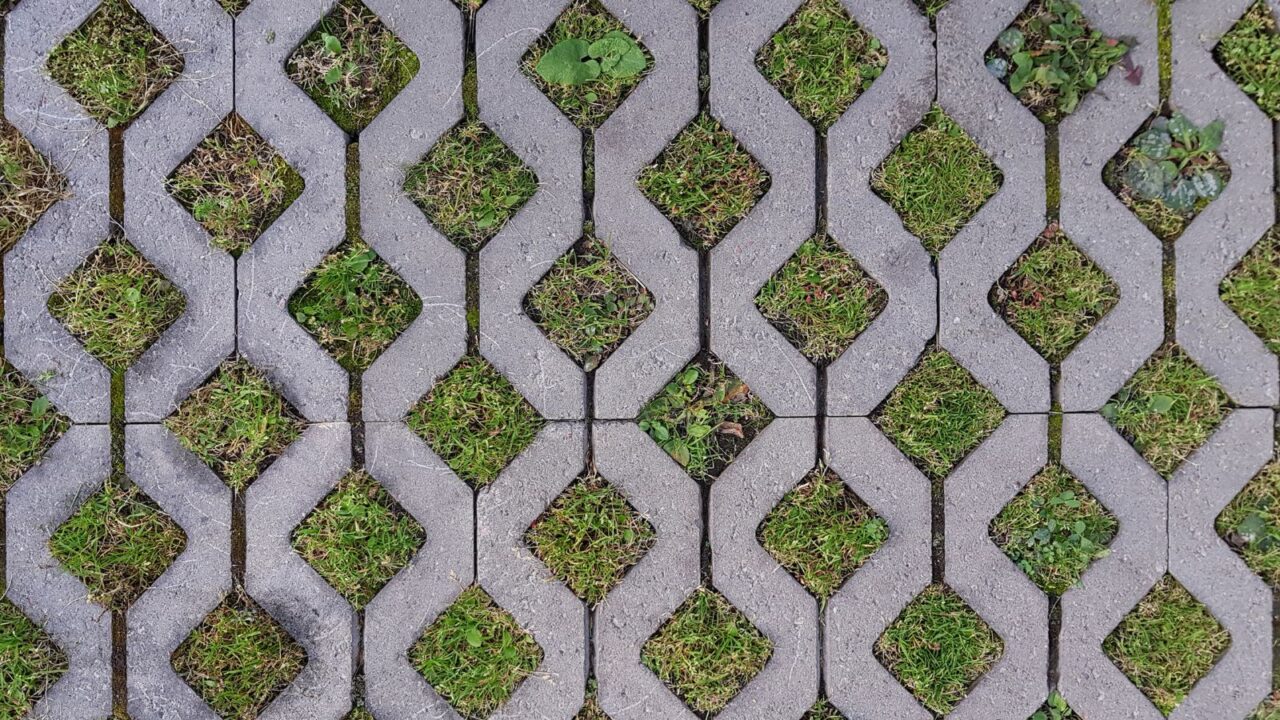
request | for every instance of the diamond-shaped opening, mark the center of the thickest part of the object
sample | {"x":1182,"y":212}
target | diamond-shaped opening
{"x":236,"y":422}
{"x":706,"y":652}
{"x":704,"y":417}
{"x":475,"y":420}
{"x":235,"y":184}
{"x":821,"y":60}
{"x":1054,"y":529}
{"x":1168,"y":408}
{"x":587,"y":63}
{"x":470,"y":184}
{"x":1247,"y":54}
{"x":938,"y":648}
{"x":822,"y":532}
{"x":938,"y":414}
{"x":235,"y":7}
{"x":823,"y":710}
{"x":469,"y":5}
{"x":588,"y":303}
{"x":591,"y":709}
{"x":1055,"y":708}
{"x":117,"y":304}
{"x":1252,"y":289}
{"x":1251,"y":524}
{"x":1167,"y":643}
{"x":358,"y":538}
{"x":115,"y":64}
{"x":29,"y":426}
{"x":30,"y":662}
{"x":590,"y":537}
{"x":359,"y":714}
{"x":29,"y":185}
{"x":239,"y":659}
{"x":118,"y":543}
{"x":937,"y":179}
{"x":1050,"y":58}
{"x":1169,"y":172}
{"x":930,"y":8}
{"x":352,"y":65}
{"x":475,"y":654}
{"x":705,"y":182}
{"x":821,"y":299}
{"x":1054,"y":295}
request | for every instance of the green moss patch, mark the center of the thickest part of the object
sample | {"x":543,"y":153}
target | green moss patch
{"x":476,"y":421}
{"x":29,"y":185}
{"x":821,"y":299}
{"x":475,"y":655}
{"x":1166,"y":644}
{"x":30,"y":662}
{"x":938,"y":648}
{"x":821,"y":532}
{"x":938,"y":414}
{"x":29,"y":426}
{"x":235,"y":184}
{"x":705,"y":182}
{"x":352,"y":65}
{"x":706,"y":652}
{"x":937,"y":179}
{"x":1054,"y":529}
{"x":1252,"y":290}
{"x":115,"y":64}
{"x":1251,"y":524}
{"x":821,"y":61}
{"x":118,"y":543}
{"x":704,"y":417}
{"x":358,"y":538}
{"x":1250,"y":54}
{"x":1168,"y":408}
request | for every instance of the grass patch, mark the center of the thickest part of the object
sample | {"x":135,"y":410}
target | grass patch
{"x":30,"y":662}
{"x":476,"y":421}
{"x":704,"y":417}
{"x":1166,"y":644}
{"x":360,"y":714}
{"x":115,"y":64}
{"x":1251,"y":524}
{"x":823,"y":710}
{"x":1168,"y":408}
{"x":821,"y":61}
{"x":29,"y":426}
{"x":1054,"y":529}
{"x":352,"y":65}
{"x":239,"y":659}
{"x":118,"y":543}
{"x":1250,"y":54}
{"x":705,"y":182}
{"x":704,"y":7}
{"x":1252,"y":290}
{"x":821,"y":299}
{"x":1054,"y":295}
{"x":930,"y":8}
{"x":358,"y":538}
{"x":590,"y":537}
{"x":588,"y":303}
{"x":236,"y":185}
{"x":706,"y":652}
{"x":29,"y":185}
{"x":475,"y":654}
{"x":938,"y":414}
{"x":235,"y":7}
{"x":117,"y":303}
{"x":1055,"y":708}
{"x":821,"y":532}
{"x":936,"y":180}
{"x":938,"y":648}
{"x":470,"y":184}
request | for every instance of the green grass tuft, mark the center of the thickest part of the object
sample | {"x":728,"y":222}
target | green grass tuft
{"x":1251,"y":524}
{"x":29,"y":426}
{"x":704,"y":7}
{"x":1250,"y":54}
{"x":360,"y":714}
{"x":1252,"y":290}
{"x":30,"y":662}
{"x":931,"y":7}
{"x":29,"y":185}
{"x":1055,"y":708}
{"x":823,"y":710}
{"x":235,"y":7}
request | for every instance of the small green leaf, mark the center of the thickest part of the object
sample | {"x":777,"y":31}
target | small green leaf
{"x":331,"y":43}
{"x":474,"y":638}
{"x":1160,"y":404}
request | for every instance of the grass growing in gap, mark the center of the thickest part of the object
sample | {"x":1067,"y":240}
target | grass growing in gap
{"x":1166,"y":644}
{"x":590,"y":537}
{"x":705,"y":182}
{"x":588,"y":303}
{"x":936,"y":180}
{"x":823,"y":710}
{"x":1250,"y":54}
{"x":822,"y":533}
{"x":115,"y":64}
{"x":821,"y":61}
{"x":938,"y":414}
{"x":236,"y":185}
{"x":30,"y":662}
{"x":704,"y":417}
{"x":1055,"y":708}
{"x":591,"y":709}
{"x":931,"y":7}
{"x":1168,"y":408}
{"x":1251,"y":524}
{"x":1054,"y":529}
{"x":235,"y":7}
{"x":359,"y":714}
{"x":1252,"y":289}
{"x":29,"y":426}
{"x":706,"y":652}
{"x":704,"y":7}
{"x":358,"y":538}
{"x":475,"y":420}
{"x":29,"y":185}
{"x":821,"y":299}
{"x":352,"y":65}
{"x":475,"y":654}
{"x":938,"y":648}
